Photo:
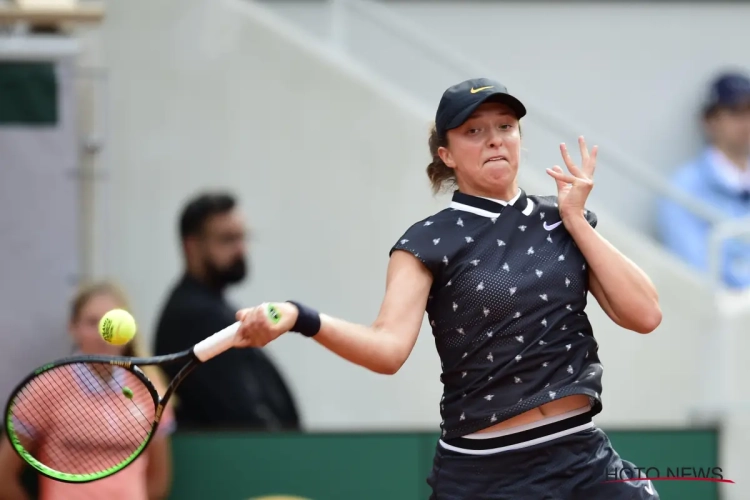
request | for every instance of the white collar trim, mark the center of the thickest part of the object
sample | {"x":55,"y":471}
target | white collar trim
{"x":492,"y":215}
{"x":503,"y":202}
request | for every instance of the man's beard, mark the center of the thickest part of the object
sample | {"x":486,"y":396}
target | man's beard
{"x":229,"y":275}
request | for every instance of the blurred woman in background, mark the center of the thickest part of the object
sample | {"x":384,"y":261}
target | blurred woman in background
{"x":149,"y":477}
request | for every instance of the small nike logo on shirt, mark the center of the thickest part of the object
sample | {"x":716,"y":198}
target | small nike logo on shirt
{"x":551,"y":226}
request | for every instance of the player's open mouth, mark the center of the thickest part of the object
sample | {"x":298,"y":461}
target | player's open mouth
{"x":495,"y":158}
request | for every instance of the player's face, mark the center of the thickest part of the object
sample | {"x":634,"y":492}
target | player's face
{"x":730,"y":129}
{"x":225,"y":248}
{"x":85,"y":328}
{"x":485,"y":151}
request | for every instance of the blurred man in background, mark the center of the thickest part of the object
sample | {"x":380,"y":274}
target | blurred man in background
{"x":241,"y":388}
{"x":720,"y":177}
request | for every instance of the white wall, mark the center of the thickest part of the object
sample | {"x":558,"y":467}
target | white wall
{"x":329,"y":163}
{"x":735,"y":435}
{"x":39,"y":223}
{"x":205,"y":97}
{"x":628,"y":74}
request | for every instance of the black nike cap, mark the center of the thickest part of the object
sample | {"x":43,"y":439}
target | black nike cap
{"x":461,"y":100}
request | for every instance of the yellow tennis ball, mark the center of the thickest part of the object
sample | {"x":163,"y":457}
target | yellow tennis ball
{"x":117,"y":327}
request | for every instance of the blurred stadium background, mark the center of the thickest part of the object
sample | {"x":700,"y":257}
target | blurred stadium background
{"x":316,"y":114}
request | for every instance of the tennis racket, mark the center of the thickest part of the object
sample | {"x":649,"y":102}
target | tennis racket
{"x":83,"y":418}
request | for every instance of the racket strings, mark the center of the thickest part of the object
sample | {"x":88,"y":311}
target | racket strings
{"x":83,"y":418}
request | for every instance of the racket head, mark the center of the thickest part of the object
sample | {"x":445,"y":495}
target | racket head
{"x":69,"y":422}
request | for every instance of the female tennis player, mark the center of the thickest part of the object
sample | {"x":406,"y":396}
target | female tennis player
{"x":149,"y":477}
{"x":504,"y":278}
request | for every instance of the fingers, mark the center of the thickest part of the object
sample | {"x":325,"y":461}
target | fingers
{"x":561,"y":177}
{"x":560,"y":184}
{"x":242,"y":313}
{"x":584,"y":150}
{"x":256,"y":330}
{"x":591,"y":166}
{"x":572,"y":167}
{"x":257,"y":315}
{"x":588,"y":159}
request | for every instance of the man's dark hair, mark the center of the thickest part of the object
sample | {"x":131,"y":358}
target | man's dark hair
{"x":199,"y":209}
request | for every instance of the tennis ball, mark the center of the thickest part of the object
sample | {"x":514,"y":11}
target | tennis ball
{"x":117,"y":327}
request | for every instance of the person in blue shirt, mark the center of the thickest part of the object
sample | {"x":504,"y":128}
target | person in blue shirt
{"x":719,"y":177}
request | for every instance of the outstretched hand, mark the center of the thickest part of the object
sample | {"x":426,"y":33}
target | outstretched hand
{"x":573,"y":189}
{"x":261,"y":324}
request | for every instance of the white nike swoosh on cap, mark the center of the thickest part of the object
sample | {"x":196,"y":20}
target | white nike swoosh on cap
{"x":552,"y":226}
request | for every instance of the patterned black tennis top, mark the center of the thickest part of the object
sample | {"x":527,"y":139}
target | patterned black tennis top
{"x":506,"y":308}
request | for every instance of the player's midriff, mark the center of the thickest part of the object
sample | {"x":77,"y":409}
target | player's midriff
{"x":550,"y":409}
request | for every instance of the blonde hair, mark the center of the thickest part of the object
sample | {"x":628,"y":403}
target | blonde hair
{"x":135,"y":347}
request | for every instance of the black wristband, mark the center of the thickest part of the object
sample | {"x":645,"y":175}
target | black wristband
{"x":308,"y":320}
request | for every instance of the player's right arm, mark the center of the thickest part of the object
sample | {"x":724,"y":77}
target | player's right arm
{"x":382,"y":347}
{"x":11,"y":466}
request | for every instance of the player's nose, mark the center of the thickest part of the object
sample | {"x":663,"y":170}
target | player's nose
{"x":494,"y":139}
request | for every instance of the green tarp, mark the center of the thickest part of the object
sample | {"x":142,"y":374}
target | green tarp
{"x":28,"y":94}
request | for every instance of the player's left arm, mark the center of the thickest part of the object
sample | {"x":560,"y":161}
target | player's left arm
{"x":11,"y":467}
{"x":623,"y":289}
{"x":159,"y":469}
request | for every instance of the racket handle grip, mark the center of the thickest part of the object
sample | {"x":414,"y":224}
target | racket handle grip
{"x":217,"y":343}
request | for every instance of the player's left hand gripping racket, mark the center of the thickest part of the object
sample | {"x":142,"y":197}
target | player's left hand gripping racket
{"x":83,"y":418}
